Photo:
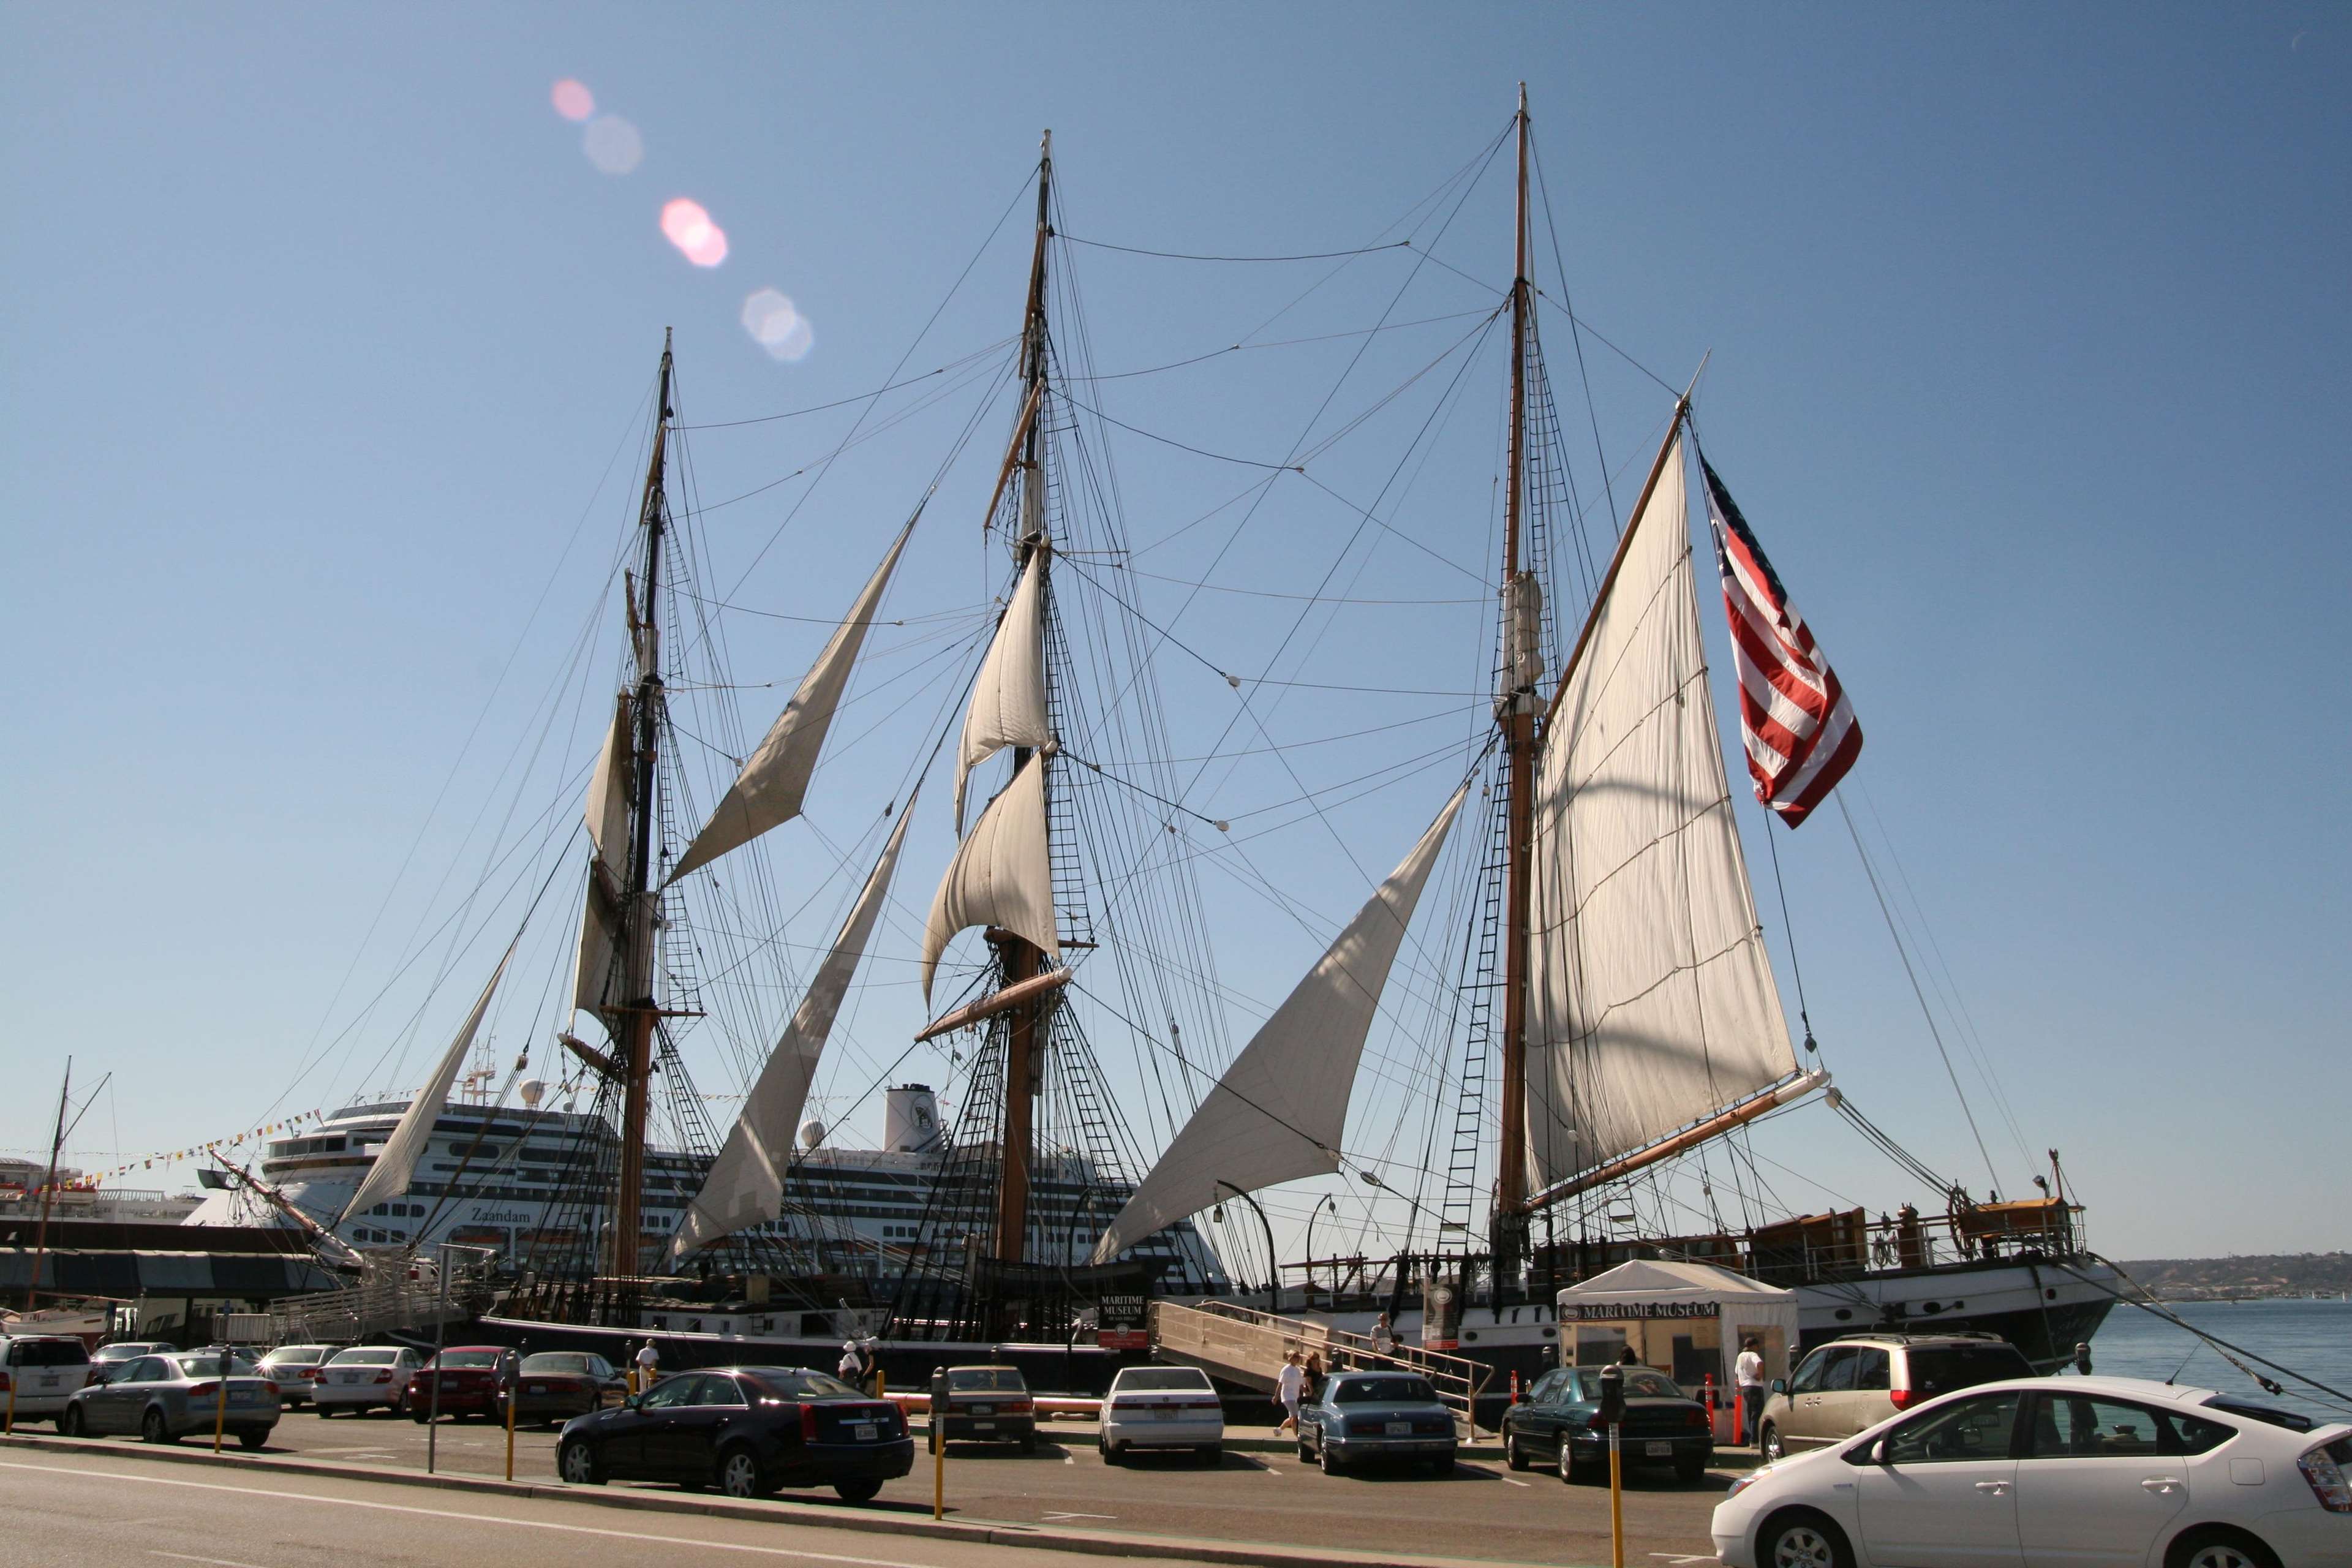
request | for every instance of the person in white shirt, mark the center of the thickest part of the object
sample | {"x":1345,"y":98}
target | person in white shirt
{"x":1748,"y":1372}
{"x":1287,"y":1388}
{"x":852,"y":1367}
{"x":648,"y":1365}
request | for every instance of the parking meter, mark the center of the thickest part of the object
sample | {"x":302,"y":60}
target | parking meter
{"x":1612,"y":1415}
{"x":1612,"y":1395}
{"x":939,"y":1442}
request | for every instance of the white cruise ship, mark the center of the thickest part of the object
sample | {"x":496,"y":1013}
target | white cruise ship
{"x":493,"y":1177}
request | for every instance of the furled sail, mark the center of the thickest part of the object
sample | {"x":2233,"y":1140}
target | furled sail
{"x":746,"y":1184}
{"x":1278,"y":1113}
{"x":1651,"y":1004}
{"x":608,"y":836}
{"x":1001,"y":875}
{"x":388,"y":1177}
{"x":769,"y":791}
{"x":1008,"y":699}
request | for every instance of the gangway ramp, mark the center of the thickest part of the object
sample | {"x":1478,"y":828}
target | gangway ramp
{"x":1242,"y":1345}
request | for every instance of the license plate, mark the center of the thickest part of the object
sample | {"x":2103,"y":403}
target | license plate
{"x":538,"y":1388}
{"x":1168,"y":1413}
{"x":984,"y":1425}
{"x":242,"y":1396}
{"x":864,"y":1432}
{"x":1659,"y":1450}
{"x":1399,"y":1428}
{"x":50,"y":1380}
{"x":983,"y":1410}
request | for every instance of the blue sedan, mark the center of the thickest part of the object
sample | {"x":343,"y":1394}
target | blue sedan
{"x":1359,"y":1417}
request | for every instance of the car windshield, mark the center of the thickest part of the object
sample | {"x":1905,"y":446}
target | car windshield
{"x":799,"y":1382}
{"x":1156,"y":1379}
{"x":124,"y":1352}
{"x":295,"y":1355}
{"x":365,"y":1358}
{"x":1383,"y":1391}
{"x":469,"y":1358}
{"x":202,"y":1365}
{"x":1640,"y":1382}
{"x":1941,"y":1369}
{"x":47,"y":1352}
{"x":986,"y":1379}
{"x":556,"y":1363}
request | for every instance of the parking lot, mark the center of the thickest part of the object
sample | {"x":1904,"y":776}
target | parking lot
{"x":1480,"y":1510}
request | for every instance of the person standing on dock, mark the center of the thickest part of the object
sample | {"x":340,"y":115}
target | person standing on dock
{"x":1748,"y":1372}
{"x":648,"y":1365}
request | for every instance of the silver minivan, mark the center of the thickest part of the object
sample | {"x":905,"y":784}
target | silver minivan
{"x":1856,"y":1381}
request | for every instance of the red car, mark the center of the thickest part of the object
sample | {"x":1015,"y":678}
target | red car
{"x":473,"y":1381}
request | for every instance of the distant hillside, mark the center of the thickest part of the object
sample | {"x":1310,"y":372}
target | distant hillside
{"x":2281,"y":1274}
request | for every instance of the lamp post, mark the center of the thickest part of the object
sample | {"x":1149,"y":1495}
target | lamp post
{"x":1332,"y":1205}
{"x":1274,"y":1269}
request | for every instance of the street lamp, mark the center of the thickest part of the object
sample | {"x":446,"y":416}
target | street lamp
{"x":1274,"y":1289}
{"x":1332,"y":1205}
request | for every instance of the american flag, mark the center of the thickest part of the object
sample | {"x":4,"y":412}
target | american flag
{"x":1793,"y":714}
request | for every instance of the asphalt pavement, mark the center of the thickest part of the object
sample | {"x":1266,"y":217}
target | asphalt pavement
{"x":1481,"y":1510}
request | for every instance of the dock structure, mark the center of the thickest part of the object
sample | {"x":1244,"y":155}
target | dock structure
{"x":1245,"y":1346}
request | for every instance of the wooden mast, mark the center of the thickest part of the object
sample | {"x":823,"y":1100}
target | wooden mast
{"x":48,"y":1191}
{"x":1520,"y":700}
{"x":1020,"y":959}
{"x":639,"y":1007}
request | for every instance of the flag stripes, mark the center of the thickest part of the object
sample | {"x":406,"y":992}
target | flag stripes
{"x":1799,"y":728}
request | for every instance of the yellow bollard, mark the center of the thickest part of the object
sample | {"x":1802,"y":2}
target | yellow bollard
{"x":1616,"y":1503}
{"x":510,"y":1418}
{"x":220,"y":1410}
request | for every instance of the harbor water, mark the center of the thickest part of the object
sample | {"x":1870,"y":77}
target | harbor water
{"x":2314,"y":1338}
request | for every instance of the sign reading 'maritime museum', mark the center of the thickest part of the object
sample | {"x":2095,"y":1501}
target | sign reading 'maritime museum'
{"x":1619,"y":1311}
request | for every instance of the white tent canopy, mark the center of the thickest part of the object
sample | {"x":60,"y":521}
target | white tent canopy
{"x":1688,"y":1319}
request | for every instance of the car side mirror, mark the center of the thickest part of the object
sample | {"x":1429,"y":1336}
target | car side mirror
{"x":1871,"y":1453}
{"x":1780,"y":1386}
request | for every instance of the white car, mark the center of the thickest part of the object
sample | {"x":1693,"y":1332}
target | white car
{"x":2075,"y":1470}
{"x":295,"y":1370}
{"x":364,"y":1376}
{"x":1161,"y":1408}
{"x":39,"y":1372}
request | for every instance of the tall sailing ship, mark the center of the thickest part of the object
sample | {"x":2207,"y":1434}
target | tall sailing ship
{"x":1615,"y":1018}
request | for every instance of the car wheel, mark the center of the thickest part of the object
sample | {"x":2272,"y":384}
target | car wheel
{"x":1802,"y":1538}
{"x":579,"y":1464}
{"x":1029,"y":1444}
{"x":739,"y":1474}
{"x":1514,"y":1454}
{"x":1768,"y":1444}
{"x":1306,"y":1454}
{"x":324,"y":1412}
{"x":1110,"y":1453}
{"x":1327,"y":1458}
{"x":1690,"y":1468}
{"x":252,"y":1439}
{"x":419,"y":1415}
{"x":857,"y":1491}
{"x":2212,"y":1548}
{"x":70,"y":1423}
{"x":1214,"y":1455}
{"x":154,"y":1428}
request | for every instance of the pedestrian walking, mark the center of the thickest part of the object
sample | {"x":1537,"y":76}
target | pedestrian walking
{"x":1287,"y":1388}
{"x":1748,"y":1372}
{"x":852,"y":1368}
{"x":1313,"y":1371}
{"x":648,"y":1365}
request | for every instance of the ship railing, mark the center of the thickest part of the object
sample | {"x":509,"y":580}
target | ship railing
{"x":1247,"y":1345}
{"x":1818,"y":1248}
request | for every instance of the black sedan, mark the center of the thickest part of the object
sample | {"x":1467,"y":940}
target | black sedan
{"x":1559,"y":1425}
{"x":747,"y":1430}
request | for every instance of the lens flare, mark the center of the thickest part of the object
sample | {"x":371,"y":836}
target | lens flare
{"x":689,"y":229}
{"x":777,"y":326}
{"x":612,"y":144}
{"x":572,"y":99}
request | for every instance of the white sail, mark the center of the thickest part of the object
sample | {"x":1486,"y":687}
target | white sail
{"x":388,"y":1177}
{"x":1651,"y":1004}
{"x":1008,"y":699}
{"x":608,"y":832}
{"x":1278,"y":1113}
{"x":769,"y":791}
{"x":746,"y":1184}
{"x":1001,"y":875}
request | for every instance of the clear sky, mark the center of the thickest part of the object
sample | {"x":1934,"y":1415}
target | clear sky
{"x":328,"y":343}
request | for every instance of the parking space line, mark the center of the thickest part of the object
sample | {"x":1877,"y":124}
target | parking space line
{"x":214,"y":1562}
{"x":1515,"y":1483}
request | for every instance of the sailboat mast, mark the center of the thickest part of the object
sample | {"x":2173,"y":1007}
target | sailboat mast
{"x":49,"y":1191}
{"x":1521,"y":615}
{"x":639,"y":1008}
{"x":1020,"y":958}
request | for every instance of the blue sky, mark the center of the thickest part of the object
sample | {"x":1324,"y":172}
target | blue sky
{"x":327,"y":353}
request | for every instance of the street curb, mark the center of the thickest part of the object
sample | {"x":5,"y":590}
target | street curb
{"x":1099,"y":1543}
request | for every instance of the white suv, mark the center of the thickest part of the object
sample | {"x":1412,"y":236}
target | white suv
{"x":39,"y":1372}
{"x":1161,"y":1408}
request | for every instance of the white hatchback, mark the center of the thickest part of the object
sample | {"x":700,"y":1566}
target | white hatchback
{"x":1161,"y":1408}
{"x":2079,"y":1470}
{"x":365,"y":1377}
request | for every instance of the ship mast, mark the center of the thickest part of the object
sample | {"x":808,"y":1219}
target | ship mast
{"x":1019,"y":958}
{"x":1522,"y":617}
{"x":639,"y":1009}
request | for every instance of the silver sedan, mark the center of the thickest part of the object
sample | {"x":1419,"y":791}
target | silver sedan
{"x":163,"y":1398}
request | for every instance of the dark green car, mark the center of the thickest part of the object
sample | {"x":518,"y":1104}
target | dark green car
{"x":1559,"y":1426}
